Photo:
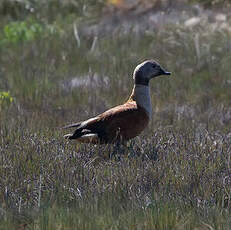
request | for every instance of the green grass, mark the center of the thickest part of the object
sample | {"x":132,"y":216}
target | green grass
{"x":104,"y":213}
{"x":176,"y":175}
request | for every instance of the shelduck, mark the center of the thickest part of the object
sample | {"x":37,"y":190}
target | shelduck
{"x":125,"y":121}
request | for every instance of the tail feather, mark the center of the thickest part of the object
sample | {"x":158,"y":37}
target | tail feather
{"x":72,"y":125}
{"x":87,"y":138}
{"x":68,"y":136}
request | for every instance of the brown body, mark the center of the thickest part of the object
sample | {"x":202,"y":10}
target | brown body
{"x":120,"y":123}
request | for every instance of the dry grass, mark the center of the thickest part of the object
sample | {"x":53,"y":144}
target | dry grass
{"x":176,"y":175}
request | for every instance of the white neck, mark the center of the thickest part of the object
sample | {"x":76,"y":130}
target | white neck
{"x":142,"y":97}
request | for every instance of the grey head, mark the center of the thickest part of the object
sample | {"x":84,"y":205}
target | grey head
{"x":147,"y":70}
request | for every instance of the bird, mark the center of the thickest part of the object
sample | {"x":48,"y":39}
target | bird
{"x":126,"y":121}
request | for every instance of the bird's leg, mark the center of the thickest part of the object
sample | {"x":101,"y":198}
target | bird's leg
{"x":118,"y":149}
{"x":116,"y":146}
{"x":131,"y":151}
{"x":115,"y":150}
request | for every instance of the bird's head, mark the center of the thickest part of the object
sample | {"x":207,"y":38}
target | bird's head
{"x":147,"y":70}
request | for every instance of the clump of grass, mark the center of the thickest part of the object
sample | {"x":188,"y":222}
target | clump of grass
{"x":20,"y":31}
{"x":5,"y":100}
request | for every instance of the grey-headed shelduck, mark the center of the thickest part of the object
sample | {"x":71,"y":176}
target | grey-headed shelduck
{"x":125,"y":121}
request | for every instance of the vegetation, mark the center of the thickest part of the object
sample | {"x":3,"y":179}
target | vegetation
{"x":176,"y":175}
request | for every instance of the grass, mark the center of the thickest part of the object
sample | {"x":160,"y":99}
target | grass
{"x":176,"y":175}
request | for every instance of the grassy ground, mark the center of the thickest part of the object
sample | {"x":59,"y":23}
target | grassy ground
{"x":176,"y":175}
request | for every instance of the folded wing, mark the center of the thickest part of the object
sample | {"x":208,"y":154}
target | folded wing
{"x":122,"y":122}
